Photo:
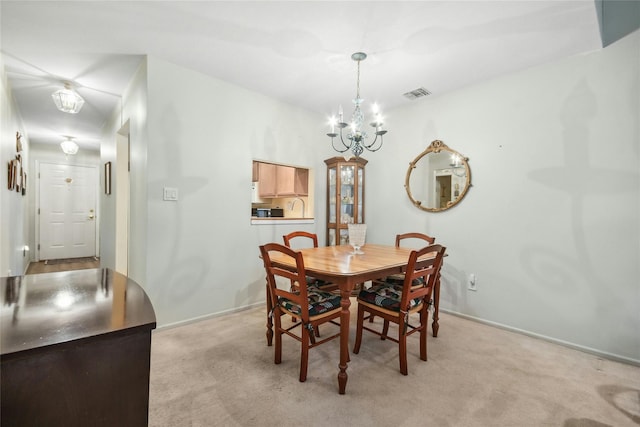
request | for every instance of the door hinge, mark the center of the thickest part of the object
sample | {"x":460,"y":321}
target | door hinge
{"x":38,"y":211}
{"x":38,"y":246}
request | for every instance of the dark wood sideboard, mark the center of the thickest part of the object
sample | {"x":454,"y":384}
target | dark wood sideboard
{"x":75,"y":350}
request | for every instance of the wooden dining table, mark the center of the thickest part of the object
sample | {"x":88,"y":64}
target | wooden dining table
{"x":338,"y":264}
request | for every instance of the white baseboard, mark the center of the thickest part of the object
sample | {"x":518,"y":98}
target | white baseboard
{"x":210,"y":316}
{"x":604,"y":355}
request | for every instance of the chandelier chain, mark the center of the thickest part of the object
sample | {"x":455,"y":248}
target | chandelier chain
{"x":358,"y":82}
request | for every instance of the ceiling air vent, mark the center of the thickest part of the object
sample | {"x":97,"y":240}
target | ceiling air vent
{"x":417,"y":93}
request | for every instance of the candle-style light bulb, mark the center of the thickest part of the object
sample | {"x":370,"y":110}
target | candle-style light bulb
{"x":332,"y":123}
{"x":340,"y":114}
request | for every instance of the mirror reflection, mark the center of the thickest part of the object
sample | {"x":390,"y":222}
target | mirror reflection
{"x":438,"y":178}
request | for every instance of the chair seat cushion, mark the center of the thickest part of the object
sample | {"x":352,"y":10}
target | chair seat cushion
{"x":312,"y":281}
{"x":398,"y":279}
{"x":320,"y":302}
{"x":385,"y":295}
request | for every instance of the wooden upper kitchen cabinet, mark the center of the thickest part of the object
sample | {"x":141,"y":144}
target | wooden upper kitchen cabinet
{"x":280,"y":181}
{"x":267,"y":179}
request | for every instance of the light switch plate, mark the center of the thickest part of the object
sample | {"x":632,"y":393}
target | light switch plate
{"x":170,"y":194}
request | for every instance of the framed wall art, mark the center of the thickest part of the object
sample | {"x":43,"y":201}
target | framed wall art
{"x":107,"y":178}
{"x":18,"y":142}
{"x":11,"y":175}
{"x":18,"y":174}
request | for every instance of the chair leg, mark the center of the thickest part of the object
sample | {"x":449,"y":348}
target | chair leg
{"x":385,"y":330}
{"x":278,"y":336}
{"x":402,"y":341}
{"x":359,"y":326}
{"x":424,"y":325}
{"x":304,"y":356}
{"x":269,"y":321}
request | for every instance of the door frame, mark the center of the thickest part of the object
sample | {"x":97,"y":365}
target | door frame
{"x":123,"y":199}
{"x":37,"y":203}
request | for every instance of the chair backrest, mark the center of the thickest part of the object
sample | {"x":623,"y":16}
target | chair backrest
{"x":427,"y":269}
{"x":300,"y":235}
{"x":423,"y":237}
{"x":293,"y":275}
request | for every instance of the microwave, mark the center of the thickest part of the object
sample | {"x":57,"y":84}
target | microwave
{"x":268,"y":212}
{"x":276,"y":213}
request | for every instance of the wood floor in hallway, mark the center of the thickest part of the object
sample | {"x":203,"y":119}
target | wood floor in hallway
{"x":63,"y":265}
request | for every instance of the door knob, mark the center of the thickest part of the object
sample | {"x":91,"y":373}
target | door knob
{"x":90,"y":216}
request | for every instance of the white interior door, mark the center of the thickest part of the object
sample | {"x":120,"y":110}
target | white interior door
{"x":67,"y":211}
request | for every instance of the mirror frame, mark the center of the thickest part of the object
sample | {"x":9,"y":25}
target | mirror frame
{"x":435,"y":147}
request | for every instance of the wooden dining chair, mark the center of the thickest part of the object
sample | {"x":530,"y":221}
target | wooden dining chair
{"x":397,"y":303}
{"x":307,"y":305}
{"x":306,"y":239}
{"x":412,"y":239}
{"x":415,"y":239}
{"x":420,"y":236}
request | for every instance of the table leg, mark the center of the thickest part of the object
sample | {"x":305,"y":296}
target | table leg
{"x":269,"y":320}
{"x":345,"y":315}
{"x":436,"y":305}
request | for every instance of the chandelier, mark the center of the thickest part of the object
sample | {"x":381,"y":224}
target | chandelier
{"x":457,"y":166}
{"x":356,"y":137}
{"x":67,"y":100}
{"x":69,"y":147}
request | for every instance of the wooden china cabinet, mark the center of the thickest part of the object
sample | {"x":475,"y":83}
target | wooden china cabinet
{"x":345,"y":197}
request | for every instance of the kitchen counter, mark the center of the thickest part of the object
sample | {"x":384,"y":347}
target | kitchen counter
{"x":280,"y":221}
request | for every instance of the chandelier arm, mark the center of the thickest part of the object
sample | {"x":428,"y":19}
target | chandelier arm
{"x":338,"y":150}
{"x":346,"y":147}
{"x":369,"y":147}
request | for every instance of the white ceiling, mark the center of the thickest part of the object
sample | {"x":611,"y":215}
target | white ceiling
{"x":299,"y":52}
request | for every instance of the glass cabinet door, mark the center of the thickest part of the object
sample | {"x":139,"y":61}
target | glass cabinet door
{"x":347,"y":178}
{"x":332,"y":197}
{"x":331,"y":236}
{"x":345,"y":197}
{"x":360,"y":196}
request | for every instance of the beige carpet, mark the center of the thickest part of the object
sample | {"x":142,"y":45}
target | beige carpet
{"x":220,"y":372}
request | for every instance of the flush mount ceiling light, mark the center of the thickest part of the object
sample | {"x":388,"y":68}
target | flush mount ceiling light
{"x":356,"y":138}
{"x":69,"y":147}
{"x":67,"y":100}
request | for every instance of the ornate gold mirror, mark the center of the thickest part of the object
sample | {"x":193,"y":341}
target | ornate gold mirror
{"x":438,"y":178}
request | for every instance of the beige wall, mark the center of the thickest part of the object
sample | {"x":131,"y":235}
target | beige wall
{"x":199,"y":255}
{"x":551,"y":224}
{"x":14,"y":233}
